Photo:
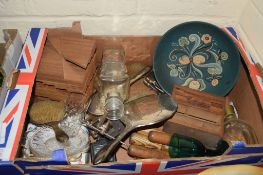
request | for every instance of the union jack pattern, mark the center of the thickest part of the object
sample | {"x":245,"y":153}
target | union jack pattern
{"x":16,"y":101}
{"x":172,"y":167}
{"x":250,"y":62}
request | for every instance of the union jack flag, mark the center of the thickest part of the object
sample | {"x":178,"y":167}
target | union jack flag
{"x":249,"y":60}
{"x":13,"y":113}
{"x":171,"y":167}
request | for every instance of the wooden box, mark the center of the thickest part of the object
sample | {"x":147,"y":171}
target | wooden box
{"x":68,"y":66}
{"x":199,"y":115}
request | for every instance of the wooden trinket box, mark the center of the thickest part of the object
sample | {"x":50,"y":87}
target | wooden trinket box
{"x":68,"y":66}
{"x":199,"y":115}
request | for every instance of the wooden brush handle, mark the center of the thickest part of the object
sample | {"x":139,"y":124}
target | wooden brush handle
{"x":147,"y":153}
{"x":61,"y":136}
{"x":159,"y":137}
{"x":142,"y":140}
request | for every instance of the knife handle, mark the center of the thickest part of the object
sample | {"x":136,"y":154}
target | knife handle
{"x":159,"y":137}
{"x":142,"y":140}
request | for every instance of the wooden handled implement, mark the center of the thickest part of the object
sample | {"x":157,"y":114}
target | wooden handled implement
{"x":147,"y":153}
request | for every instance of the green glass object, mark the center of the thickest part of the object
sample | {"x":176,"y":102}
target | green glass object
{"x":183,"y":146}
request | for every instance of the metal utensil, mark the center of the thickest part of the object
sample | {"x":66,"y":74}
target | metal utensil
{"x":103,"y":133}
{"x":150,"y":82}
{"x":144,"y":111}
{"x":98,"y":145}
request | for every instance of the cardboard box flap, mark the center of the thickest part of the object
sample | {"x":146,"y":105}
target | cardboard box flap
{"x":58,"y":158}
{"x":241,"y":148}
{"x":254,"y":72}
{"x":12,"y":41}
{"x":247,"y":103}
{"x":13,"y":113}
{"x":9,"y":55}
{"x":191,"y":165}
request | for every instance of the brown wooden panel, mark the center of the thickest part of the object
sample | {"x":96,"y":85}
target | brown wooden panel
{"x":247,"y":103}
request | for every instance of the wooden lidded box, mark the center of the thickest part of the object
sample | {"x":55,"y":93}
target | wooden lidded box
{"x":199,"y":115}
{"x":67,"y":68}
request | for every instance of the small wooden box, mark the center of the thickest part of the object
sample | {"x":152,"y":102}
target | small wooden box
{"x":199,"y":115}
{"x":67,"y":68}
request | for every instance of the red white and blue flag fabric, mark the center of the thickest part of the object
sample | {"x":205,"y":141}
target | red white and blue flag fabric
{"x":250,"y":62}
{"x":153,"y":167}
{"x":12,"y":115}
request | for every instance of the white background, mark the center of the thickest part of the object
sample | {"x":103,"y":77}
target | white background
{"x":136,"y":17}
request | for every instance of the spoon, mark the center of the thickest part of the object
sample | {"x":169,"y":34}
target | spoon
{"x":140,"y":112}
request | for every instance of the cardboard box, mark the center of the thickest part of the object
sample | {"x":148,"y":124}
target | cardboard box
{"x":9,"y":55}
{"x":247,"y":95}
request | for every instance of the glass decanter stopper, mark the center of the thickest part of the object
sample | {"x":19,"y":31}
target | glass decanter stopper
{"x":236,"y":129}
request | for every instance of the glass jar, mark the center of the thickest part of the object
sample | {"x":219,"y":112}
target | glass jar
{"x":112,"y":79}
{"x":113,"y":75}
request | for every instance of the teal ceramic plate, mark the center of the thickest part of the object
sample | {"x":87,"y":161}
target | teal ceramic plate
{"x":198,"y":55}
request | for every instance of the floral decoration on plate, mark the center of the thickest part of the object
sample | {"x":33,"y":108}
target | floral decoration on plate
{"x":195,"y":60}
